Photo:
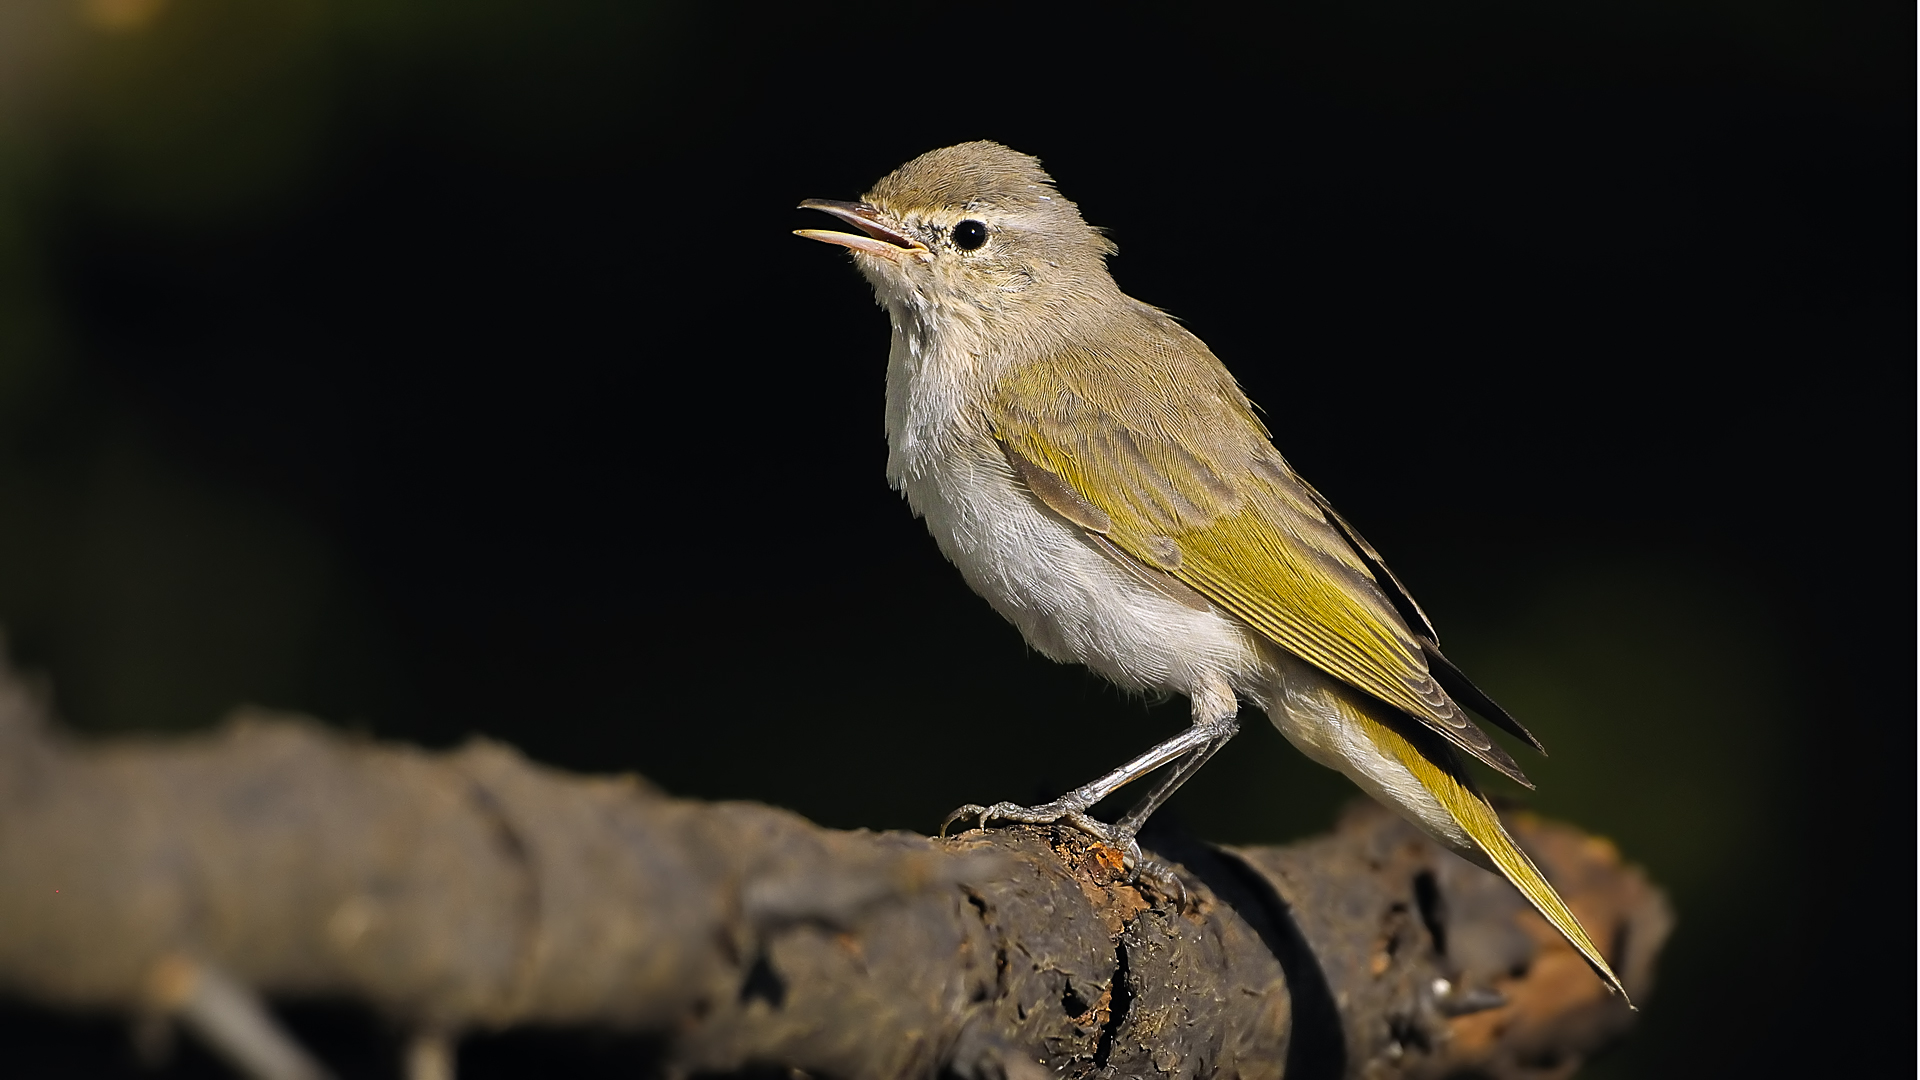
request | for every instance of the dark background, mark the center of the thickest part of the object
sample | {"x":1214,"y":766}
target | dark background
{"x":447,"y":368}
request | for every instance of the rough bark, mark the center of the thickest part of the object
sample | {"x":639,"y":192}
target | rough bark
{"x":475,"y":890}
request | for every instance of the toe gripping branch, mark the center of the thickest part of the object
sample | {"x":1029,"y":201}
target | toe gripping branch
{"x":1187,"y":751}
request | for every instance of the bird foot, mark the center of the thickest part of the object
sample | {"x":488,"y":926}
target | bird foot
{"x":1068,"y":810}
{"x":1140,"y":867}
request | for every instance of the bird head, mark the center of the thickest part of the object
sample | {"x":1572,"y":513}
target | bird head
{"x":975,"y":231}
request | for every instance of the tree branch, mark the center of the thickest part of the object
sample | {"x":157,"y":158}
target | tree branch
{"x":476,"y":890}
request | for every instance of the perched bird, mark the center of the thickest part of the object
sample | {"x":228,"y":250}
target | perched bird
{"x":1097,"y":475}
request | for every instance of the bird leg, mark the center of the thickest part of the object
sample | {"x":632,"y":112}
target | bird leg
{"x":1224,"y":728}
{"x":1195,"y":745}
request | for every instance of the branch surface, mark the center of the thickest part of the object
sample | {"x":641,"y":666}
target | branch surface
{"x":474,"y":889}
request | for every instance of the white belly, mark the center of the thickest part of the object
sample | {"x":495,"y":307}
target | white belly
{"x":1069,"y":599}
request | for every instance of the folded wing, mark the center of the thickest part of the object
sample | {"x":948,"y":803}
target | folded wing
{"x":1200,"y":495}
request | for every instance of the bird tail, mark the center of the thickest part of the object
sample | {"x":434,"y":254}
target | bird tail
{"x":1439,"y":771}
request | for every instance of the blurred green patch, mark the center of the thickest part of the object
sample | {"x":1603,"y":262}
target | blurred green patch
{"x":1657,"y":689}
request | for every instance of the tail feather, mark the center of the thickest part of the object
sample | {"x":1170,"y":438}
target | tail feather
{"x":1456,"y":792}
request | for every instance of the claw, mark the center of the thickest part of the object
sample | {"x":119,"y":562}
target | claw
{"x":1143,"y":867}
{"x":1162,"y":877}
{"x":968,"y":810}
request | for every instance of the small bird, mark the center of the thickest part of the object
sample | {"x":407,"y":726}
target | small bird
{"x":1099,"y":477}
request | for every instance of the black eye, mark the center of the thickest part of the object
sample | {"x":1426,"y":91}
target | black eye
{"x":969,"y":235}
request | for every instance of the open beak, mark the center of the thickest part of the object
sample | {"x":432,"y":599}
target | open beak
{"x":882,"y":238}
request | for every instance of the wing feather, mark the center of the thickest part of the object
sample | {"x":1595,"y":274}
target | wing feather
{"x":1199,"y":493}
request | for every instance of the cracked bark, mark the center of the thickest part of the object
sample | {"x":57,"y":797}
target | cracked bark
{"x":475,"y":890}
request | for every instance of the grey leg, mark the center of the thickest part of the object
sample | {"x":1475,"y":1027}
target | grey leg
{"x":1223,"y":730}
{"x":1195,"y":745}
{"x":1072,"y":807}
